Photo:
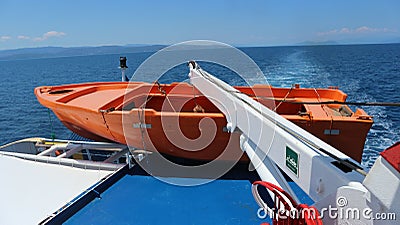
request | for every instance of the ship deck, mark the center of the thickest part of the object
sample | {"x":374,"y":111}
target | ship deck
{"x":138,"y":198}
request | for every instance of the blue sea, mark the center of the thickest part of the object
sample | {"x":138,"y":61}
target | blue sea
{"x":367,"y":73}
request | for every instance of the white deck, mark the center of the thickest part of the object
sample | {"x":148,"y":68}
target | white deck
{"x":31,"y":191}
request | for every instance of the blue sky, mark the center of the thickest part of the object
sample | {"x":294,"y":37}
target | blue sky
{"x":253,"y":23}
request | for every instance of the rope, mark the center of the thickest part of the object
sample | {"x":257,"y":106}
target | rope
{"x":173,"y":109}
{"x":395,"y":104}
{"x":284,"y":99}
{"x":322,"y":106}
{"x":141,"y":121}
{"x":390,"y":104}
{"x":165,"y":94}
{"x":141,"y":117}
{"x":194,"y":95}
{"x":319,"y":97}
{"x":197,"y":107}
{"x":304,"y":214}
{"x":105,"y":122}
{"x":52,"y":134}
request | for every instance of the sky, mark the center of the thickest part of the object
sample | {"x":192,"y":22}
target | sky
{"x":72,"y":23}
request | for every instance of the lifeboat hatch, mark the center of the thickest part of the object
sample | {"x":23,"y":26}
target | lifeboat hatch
{"x":57,"y":92}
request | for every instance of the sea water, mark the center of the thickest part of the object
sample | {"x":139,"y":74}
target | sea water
{"x":367,"y":73}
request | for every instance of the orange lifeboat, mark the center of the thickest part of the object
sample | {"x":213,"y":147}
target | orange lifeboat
{"x":177,"y":120}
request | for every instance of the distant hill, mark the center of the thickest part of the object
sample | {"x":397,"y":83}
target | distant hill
{"x":53,"y":52}
{"x":312,"y":43}
{"x":354,"y":41}
{"x":394,"y":40}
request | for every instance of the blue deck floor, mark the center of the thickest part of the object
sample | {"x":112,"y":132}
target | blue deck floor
{"x":139,"y":199}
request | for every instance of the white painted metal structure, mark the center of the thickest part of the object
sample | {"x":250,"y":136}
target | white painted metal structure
{"x":270,"y":141}
{"x":33,"y":187}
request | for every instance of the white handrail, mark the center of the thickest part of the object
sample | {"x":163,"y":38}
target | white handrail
{"x":85,"y":164}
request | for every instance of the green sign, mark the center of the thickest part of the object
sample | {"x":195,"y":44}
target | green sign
{"x":292,"y":160}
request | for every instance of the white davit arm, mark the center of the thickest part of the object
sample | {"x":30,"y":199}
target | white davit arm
{"x":299,"y":154}
{"x":329,"y":177}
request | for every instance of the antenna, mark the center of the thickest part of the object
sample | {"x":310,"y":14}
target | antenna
{"x":123,"y":67}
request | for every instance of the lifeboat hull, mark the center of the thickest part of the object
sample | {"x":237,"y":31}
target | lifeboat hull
{"x":177,"y":120}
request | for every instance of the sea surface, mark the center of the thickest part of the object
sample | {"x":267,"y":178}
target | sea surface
{"x":367,"y":73}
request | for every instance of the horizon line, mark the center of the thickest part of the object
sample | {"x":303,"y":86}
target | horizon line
{"x":305,"y":43}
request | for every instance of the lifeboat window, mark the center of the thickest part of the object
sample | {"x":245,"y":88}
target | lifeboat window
{"x":287,"y":108}
{"x":129,"y":106}
{"x":59,"y":92}
{"x":181,"y":103}
{"x":340,"y":111}
{"x":344,"y":111}
{"x":303,"y":109}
